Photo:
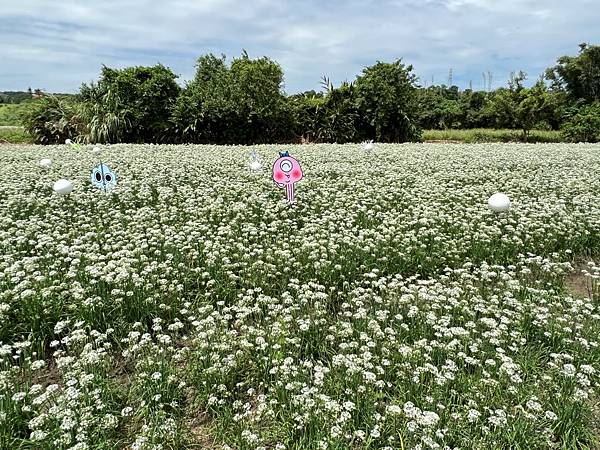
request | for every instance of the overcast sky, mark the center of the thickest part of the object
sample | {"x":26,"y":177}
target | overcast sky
{"x":57,"y":45}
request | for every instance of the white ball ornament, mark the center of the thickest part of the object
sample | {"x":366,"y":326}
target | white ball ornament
{"x":46,"y":163}
{"x":63,"y":187}
{"x":499,"y":202}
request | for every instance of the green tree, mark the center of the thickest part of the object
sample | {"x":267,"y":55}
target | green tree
{"x":206,"y":110}
{"x":306,"y":109}
{"x":441,"y":107}
{"x":240,"y":104}
{"x":338,"y":115}
{"x":130,"y":105}
{"x":52,"y":120}
{"x":578,"y":75}
{"x":387,"y":103}
{"x":519,"y":107}
{"x":472,"y":104}
{"x":258,"y":87}
{"x":584,"y":126}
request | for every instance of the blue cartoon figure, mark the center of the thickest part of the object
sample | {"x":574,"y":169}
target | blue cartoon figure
{"x":103,"y":177}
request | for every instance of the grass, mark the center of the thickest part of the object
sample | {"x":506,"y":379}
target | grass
{"x":14,"y":135}
{"x":11,"y":121}
{"x":12,"y":114}
{"x":491,"y":135}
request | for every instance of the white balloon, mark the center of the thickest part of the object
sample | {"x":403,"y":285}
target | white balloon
{"x":46,"y":163}
{"x":499,"y":202}
{"x":255,"y":165}
{"x":63,"y":187}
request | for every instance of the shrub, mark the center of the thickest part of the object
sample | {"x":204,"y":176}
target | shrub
{"x":262,"y":106}
{"x":305,"y":108}
{"x":240,"y":104}
{"x":584,"y":126}
{"x":205,"y":111}
{"x":337,"y":117}
{"x":387,"y":103}
{"x":52,"y":120}
{"x":130,"y":105}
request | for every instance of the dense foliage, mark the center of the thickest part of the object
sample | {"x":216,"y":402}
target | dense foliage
{"x":129,"y":105}
{"x":19,"y":97}
{"x":244,"y":103}
{"x":584,"y":126}
{"x":578,"y":75}
{"x":52,"y":119}
{"x":241,"y":103}
{"x":386,"y":103}
{"x":519,"y":107}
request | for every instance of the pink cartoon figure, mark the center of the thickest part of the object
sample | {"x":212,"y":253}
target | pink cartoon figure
{"x":286,"y":172}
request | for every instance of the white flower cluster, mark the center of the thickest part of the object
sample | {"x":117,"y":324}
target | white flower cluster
{"x":389,"y":309}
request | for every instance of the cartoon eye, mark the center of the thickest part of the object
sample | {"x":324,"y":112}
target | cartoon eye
{"x":98,"y":176}
{"x":286,"y":166}
{"x":108,"y":177}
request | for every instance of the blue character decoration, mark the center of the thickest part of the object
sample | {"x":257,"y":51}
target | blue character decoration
{"x":103,"y":177}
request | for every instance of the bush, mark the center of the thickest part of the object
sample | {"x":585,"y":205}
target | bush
{"x":336,"y":118}
{"x":380,"y":105}
{"x":584,"y":126}
{"x":240,"y":104}
{"x":130,"y":105}
{"x":262,"y":106}
{"x":52,"y":120}
{"x":386,"y":99}
{"x":305,"y":108}
{"x":205,"y":110}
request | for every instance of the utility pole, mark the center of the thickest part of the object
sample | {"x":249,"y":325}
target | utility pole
{"x":450,"y":77}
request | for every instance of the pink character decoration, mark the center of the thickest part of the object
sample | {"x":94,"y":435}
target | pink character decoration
{"x":286,"y":172}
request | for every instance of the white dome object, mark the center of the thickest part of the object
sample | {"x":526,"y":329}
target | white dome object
{"x":63,"y":187}
{"x":97,"y":151}
{"x":368,"y":146}
{"x":46,"y":163}
{"x":255,"y":165}
{"x":68,"y":141}
{"x":499,"y":202}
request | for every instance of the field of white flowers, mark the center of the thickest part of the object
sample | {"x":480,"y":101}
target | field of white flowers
{"x":191,"y":307}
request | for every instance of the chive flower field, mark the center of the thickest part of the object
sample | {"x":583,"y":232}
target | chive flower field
{"x":191,"y":307}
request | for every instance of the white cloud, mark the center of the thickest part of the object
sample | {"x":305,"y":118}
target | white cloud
{"x":59,"y":45}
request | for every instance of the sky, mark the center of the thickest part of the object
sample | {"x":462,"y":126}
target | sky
{"x":57,"y":45}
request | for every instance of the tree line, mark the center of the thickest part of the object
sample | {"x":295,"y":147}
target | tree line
{"x":243,"y":102}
